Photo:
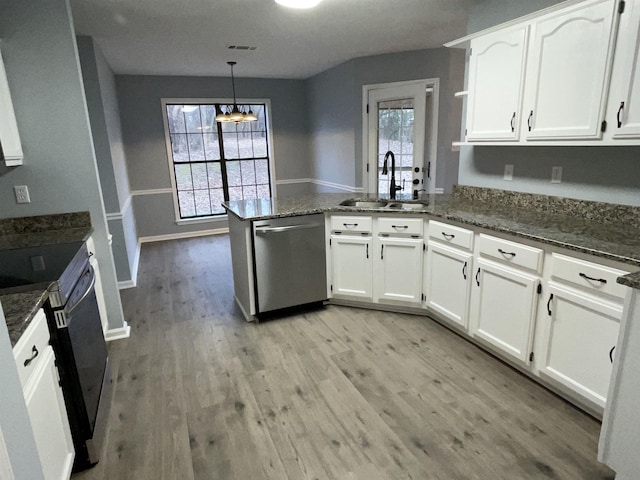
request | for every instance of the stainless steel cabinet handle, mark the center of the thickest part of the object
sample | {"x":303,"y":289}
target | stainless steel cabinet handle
{"x":266,"y":230}
{"x":34,"y":354}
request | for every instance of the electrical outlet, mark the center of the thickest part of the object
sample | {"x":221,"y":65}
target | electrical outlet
{"x":556,"y":175}
{"x":37,"y":263}
{"x":22,"y":194}
{"x":508,"y":172}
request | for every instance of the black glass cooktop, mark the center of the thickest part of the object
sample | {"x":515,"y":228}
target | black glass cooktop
{"x":34,"y":265}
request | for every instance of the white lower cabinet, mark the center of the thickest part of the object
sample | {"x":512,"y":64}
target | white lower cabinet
{"x":448,"y":276}
{"x":504,"y":307}
{"x":398,"y":270}
{"x":580,"y":340}
{"x":351,"y":267}
{"x":42,"y":393}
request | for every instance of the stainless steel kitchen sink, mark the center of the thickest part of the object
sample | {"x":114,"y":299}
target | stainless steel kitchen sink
{"x":406,"y":206}
{"x":383,"y":205}
{"x":364,"y":204}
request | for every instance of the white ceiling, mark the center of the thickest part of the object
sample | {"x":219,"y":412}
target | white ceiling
{"x":190,"y":37}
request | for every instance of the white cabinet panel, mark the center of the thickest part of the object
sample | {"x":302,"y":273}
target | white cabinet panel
{"x":504,"y":308}
{"x":448,"y":275}
{"x":580,"y":342}
{"x":9,"y":136}
{"x":496,"y":71}
{"x":566,"y":72}
{"x":624,"y":99}
{"x":352,"y":267}
{"x":398,"y":270}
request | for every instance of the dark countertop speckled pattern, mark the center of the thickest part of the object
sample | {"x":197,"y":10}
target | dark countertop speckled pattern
{"x":20,"y":308}
{"x":21,"y":304}
{"x":632,"y":280}
{"x":494,"y":210}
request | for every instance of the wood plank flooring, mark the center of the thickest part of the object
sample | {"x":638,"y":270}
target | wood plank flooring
{"x":337,"y":393}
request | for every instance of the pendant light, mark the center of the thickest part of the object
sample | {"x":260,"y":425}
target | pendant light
{"x":234,"y":114}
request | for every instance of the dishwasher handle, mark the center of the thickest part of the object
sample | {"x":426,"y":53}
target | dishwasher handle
{"x":266,"y":229}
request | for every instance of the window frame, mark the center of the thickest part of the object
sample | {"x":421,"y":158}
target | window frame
{"x":167,"y":140}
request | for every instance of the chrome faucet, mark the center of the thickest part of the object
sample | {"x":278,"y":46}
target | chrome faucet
{"x":392,"y":187}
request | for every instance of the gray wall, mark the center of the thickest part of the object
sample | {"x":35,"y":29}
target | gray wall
{"x":335,"y":103}
{"x":14,"y":418}
{"x":41,"y":59}
{"x":139,"y":100}
{"x":607,"y":174}
{"x":99,"y":85}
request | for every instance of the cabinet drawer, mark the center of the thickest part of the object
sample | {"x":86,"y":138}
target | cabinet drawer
{"x":512,"y":253}
{"x":590,"y":276}
{"x":451,"y":235}
{"x":31,"y":346}
{"x":354,"y":223}
{"x":396,"y":225}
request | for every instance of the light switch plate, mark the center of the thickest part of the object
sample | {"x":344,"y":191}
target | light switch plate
{"x":556,"y":175}
{"x":508,"y":172}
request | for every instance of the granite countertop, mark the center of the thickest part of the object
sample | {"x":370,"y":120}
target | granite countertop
{"x":20,"y":308}
{"x":602,"y":230}
{"x":20,"y":304}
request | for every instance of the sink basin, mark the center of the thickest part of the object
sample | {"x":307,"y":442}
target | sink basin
{"x":406,"y":206}
{"x":364,"y":204}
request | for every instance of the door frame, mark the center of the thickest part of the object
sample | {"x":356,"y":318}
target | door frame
{"x":431,"y":126}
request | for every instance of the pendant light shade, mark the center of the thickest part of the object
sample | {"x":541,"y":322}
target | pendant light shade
{"x":234,"y":114}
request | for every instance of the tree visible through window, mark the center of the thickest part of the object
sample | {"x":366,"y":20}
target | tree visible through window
{"x":213,"y":162}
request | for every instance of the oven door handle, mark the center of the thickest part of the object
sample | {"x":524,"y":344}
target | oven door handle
{"x":87,"y":292}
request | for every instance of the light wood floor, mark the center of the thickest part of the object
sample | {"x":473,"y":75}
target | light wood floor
{"x":338,"y":393}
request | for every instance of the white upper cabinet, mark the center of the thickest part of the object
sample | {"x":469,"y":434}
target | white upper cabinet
{"x":496,"y":73}
{"x":9,"y":136}
{"x":624,"y":97}
{"x":567,"y":72}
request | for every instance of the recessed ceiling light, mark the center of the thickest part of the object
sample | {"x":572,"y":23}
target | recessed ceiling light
{"x":299,"y":3}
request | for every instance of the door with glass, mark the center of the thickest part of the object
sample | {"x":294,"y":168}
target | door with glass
{"x":396,"y":124}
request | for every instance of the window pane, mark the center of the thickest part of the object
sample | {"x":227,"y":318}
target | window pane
{"x":262,"y":171}
{"x":192,"y":119}
{"x":233,"y":174}
{"x":230,"y":145}
{"x":263,"y":191}
{"x":183,"y":177}
{"x":200,"y":177}
{"x":249,"y":192}
{"x":235,"y":193}
{"x":244,"y":145}
{"x":175,"y":119}
{"x":211,"y":146}
{"x":260,"y":144}
{"x":217,"y":197}
{"x":203,"y":202}
{"x":179,"y":148}
{"x":215,"y":175}
{"x":196,"y":148}
{"x":187,"y":204}
{"x":208,"y":115}
{"x":248,"y":172}
{"x":229,"y":127}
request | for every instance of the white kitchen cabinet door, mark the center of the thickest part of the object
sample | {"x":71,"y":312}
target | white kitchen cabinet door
{"x":580,"y":340}
{"x":567,"y":69}
{"x":9,"y":136}
{"x":49,"y":421}
{"x":398,"y":270}
{"x":504,"y":307}
{"x":624,"y":97}
{"x":351,"y":267}
{"x":448,"y":275}
{"x":496,"y":73}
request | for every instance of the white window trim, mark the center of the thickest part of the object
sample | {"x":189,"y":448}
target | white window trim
{"x":431,"y":140}
{"x":167,"y":141}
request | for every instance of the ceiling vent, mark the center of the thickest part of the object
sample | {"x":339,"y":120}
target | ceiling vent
{"x":246,"y":48}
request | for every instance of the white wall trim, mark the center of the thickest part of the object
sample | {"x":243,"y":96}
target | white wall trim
{"x":118,"y":333}
{"x":291,"y":181}
{"x":120,"y":215}
{"x":315,"y":181}
{"x":151,"y":191}
{"x":181,"y":235}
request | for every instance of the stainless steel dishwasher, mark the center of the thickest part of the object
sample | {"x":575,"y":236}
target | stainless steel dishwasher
{"x":290,"y":262}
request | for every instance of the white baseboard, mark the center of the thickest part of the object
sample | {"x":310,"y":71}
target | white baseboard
{"x":123,"y":285}
{"x":181,"y":235}
{"x":118,"y":333}
{"x":134,"y":271}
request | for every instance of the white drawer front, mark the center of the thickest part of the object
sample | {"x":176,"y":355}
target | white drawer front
{"x":30,"y":348}
{"x":511,"y":253}
{"x":351,"y":223}
{"x":399,"y":225}
{"x":451,"y":235}
{"x":590,"y":276}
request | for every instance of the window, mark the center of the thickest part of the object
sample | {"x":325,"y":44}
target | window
{"x":395,"y":133}
{"x":214,"y":162}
